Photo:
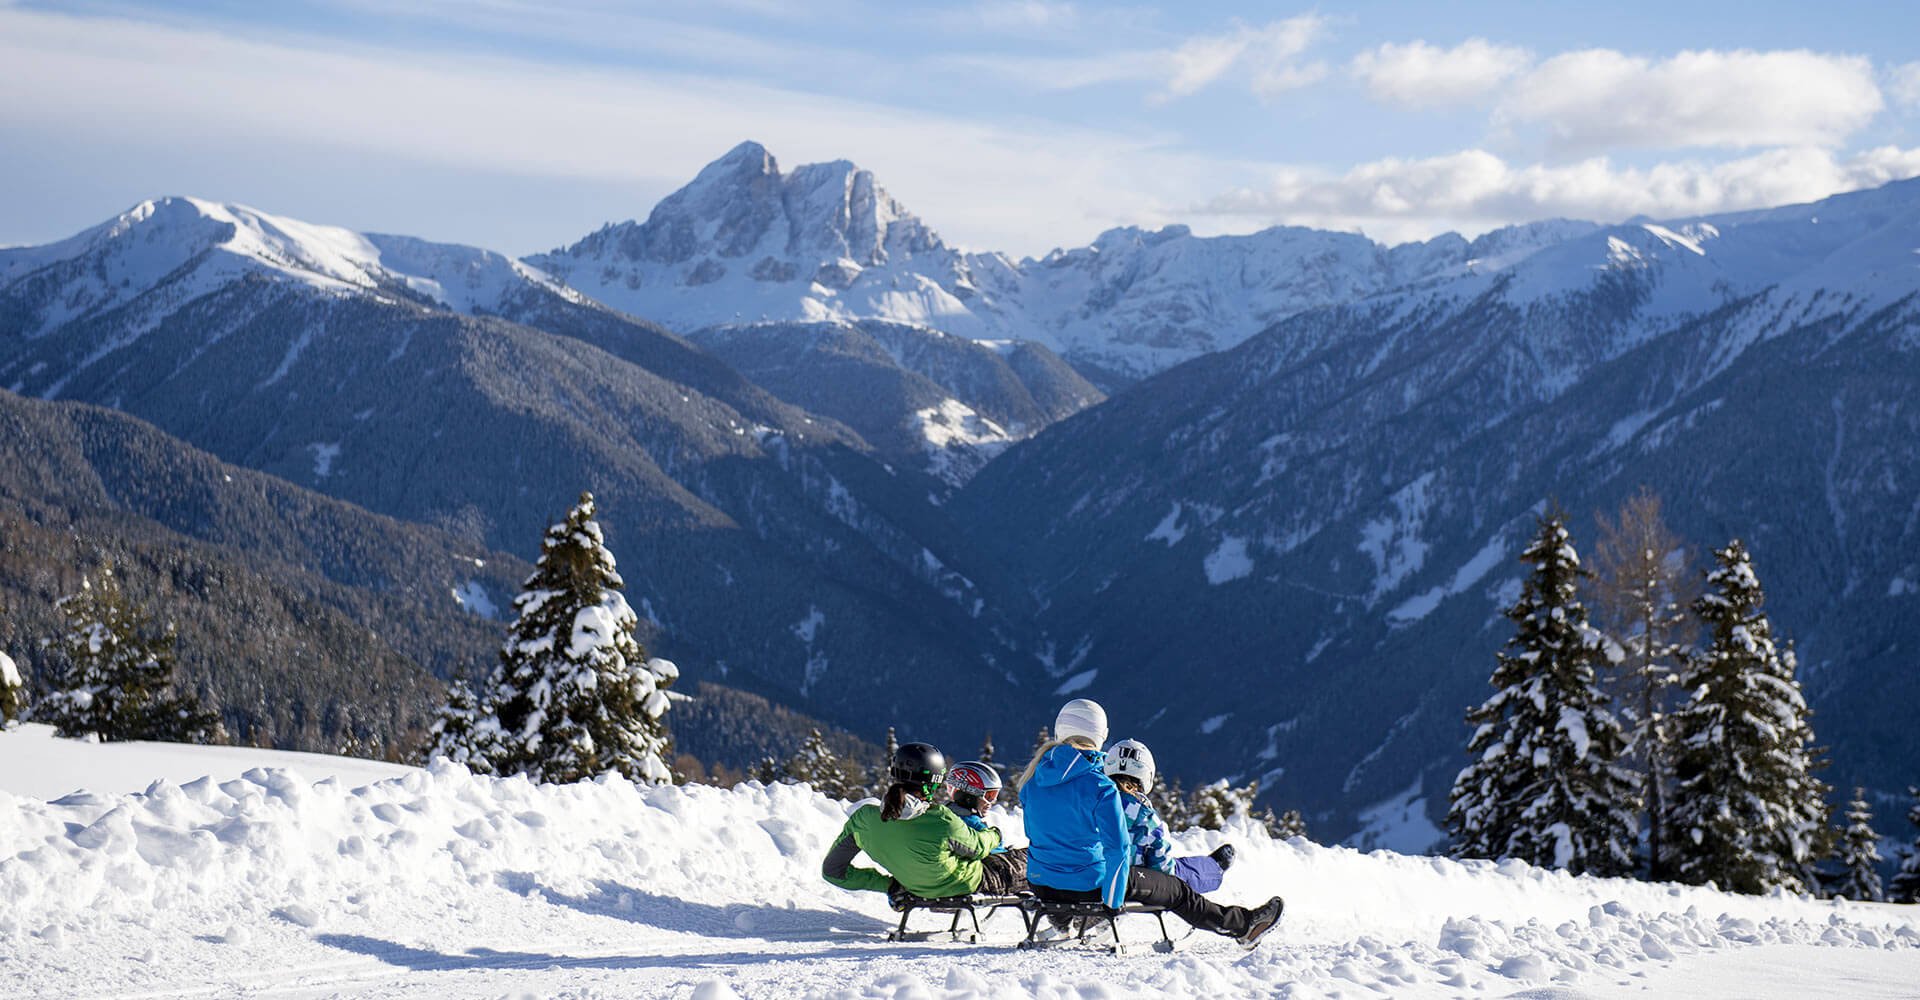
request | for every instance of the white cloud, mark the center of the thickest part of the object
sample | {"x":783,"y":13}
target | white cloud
{"x":1474,"y":190}
{"x":1264,"y":54}
{"x":1597,"y":99}
{"x":1903,"y":84}
{"x":1022,"y":188}
{"x":1421,"y":75}
{"x":1264,"y":58}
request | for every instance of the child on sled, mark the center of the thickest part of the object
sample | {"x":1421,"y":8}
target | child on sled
{"x":1130,"y":764}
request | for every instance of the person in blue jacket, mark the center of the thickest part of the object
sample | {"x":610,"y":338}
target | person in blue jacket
{"x":1079,"y":849}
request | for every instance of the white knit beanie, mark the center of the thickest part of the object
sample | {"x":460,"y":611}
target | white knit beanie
{"x":1081,"y":717}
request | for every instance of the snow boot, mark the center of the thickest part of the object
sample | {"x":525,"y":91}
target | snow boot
{"x":1261,"y":921}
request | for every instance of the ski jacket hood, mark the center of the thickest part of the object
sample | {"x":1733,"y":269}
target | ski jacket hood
{"x":1077,"y":830}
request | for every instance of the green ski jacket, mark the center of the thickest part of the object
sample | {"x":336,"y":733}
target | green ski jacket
{"x":933,"y":854}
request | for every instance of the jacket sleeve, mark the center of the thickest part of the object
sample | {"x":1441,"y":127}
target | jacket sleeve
{"x":1150,"y":838}
{"x":1110,"y":832}
{"x":967,"y":843}
{"x":839,"y":868}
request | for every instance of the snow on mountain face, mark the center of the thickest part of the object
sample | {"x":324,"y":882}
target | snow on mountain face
{"x":437,"y":883}
{"x":1346,"y":489}
{"x":161,"y":254}
{"x":745,"y":243}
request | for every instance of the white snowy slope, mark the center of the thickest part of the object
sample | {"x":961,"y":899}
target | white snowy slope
{"x":440,"y":884}
{"x":161,"y":254}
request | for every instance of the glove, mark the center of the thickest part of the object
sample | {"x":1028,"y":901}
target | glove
{"x":898,"y":897}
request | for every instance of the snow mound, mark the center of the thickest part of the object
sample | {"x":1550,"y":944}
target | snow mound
{"x":440,"y":883}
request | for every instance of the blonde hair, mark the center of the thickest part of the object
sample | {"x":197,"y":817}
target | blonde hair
{"x":1076,"y":741}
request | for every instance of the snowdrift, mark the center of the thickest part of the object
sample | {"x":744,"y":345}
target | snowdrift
{"x":440,"y":883}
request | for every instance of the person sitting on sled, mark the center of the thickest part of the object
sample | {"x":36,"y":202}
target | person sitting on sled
{"x":972,"y":788}
{"x":1079,"y":851}
{"x":926,"y":848}
{"x":1130,"y":764}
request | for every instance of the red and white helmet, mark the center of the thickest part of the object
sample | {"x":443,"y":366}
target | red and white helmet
{"x":974,"y":785}
{"x":1133,"y":759}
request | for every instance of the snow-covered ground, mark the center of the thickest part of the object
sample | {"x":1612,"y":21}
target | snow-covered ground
{"x":317,"y":877}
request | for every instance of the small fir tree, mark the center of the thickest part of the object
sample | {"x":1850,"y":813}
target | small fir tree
{"x":118,"y":676}
{"x":1546,"y":784}
{"x":574,"y":695}
{"x":13,"y":690}
{"x":1860,"y":854}
{"x":1215,"y":804}
{"x":986,"y":749}
{"x":1644,"y":593}
{"x":1905,"y":887}
{"x":1285,"y":826}
{"x":457,"y":733}
{"x":767,"y":771}
{"x":1171,"y":801}
{"x":1747,"y":812}
{"x":817,"y":765}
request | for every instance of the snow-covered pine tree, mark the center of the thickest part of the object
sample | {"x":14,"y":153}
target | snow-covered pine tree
{"x":574,"y":695}
{"x":1546,"y":783}
{"x":116,"y":678}
{"x":1286,"y":825}
{"x":1171,"y":801}
{"x":1641,"y":568}
{"x":986,"y":749}
{"x":1860,"y":854}
{"x":13,"y":690}
{"x":1905,"y":887}
{"x":816,"y":764}
{"x":458,"y":734}
{"x":1216,"y":803}
{"x":1747,"y":813}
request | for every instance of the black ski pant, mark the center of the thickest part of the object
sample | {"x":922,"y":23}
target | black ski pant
{"x":1157,"y":888}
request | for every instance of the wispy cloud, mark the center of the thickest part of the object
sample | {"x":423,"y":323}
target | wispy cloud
{"x":1475,"y":190}
{"x":1419,"y":75}
{"x":1002,"y":186}
{"x":1903,"y":84}
{"x":1597,"y":99}
{"x":1264,"y":59}
{"x":1266,"y":56}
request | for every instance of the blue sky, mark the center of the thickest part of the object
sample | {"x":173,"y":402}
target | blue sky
{"x":1017,"y":125}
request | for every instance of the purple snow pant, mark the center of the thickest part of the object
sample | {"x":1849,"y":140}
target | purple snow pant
{"x":1201,"y":873}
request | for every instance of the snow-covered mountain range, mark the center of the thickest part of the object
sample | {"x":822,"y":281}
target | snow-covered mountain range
{"x":1334,"y":508}
{"x":210,"y":871}
{"x":1323,"y":497}
{"x":745,"y":243}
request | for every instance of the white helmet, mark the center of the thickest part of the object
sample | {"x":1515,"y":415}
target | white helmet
{"x":1133,"y":759}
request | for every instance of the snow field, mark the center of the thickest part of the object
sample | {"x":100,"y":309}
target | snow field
{"x":439,"y":883}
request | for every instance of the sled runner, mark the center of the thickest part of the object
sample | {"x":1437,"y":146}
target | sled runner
{"x":967,"y":906}
{"x":1084,"y":917}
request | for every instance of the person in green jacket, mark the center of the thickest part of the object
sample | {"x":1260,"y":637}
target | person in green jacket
{"x":926,"y":849}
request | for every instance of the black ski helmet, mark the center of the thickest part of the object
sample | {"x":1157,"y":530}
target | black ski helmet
{"x":918,"y":764}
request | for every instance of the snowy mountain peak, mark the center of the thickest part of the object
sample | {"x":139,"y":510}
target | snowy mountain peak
{"x":191,"y":246}
{"x":821,"y":241}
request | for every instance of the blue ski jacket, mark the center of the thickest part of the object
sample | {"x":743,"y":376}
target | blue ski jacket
{"x":1075,"y":826}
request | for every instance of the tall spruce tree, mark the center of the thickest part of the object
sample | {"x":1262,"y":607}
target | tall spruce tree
{"x":1747,"y":812}
{"x":1860,"y":854}
{"x":1643,"y":594}
{"x":574,"y":695}
{"x":116,"y":675}
{"x":1905,"y":887}
{"x":13,"y":690}
{"x":1546,"y":783}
